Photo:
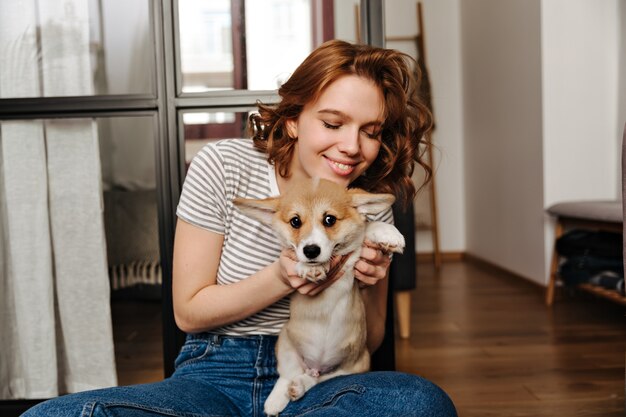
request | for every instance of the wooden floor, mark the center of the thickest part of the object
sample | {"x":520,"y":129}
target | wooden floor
{"x":137,"y":334}
{"x":484,"y":336}
{"x":488,"y":339}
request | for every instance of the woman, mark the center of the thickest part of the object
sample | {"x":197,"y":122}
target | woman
{"x":349,"y":113}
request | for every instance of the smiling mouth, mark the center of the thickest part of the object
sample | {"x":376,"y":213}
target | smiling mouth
{"x":340,"y":168}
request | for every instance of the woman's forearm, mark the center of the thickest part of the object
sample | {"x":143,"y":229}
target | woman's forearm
{"x":218,"y":305}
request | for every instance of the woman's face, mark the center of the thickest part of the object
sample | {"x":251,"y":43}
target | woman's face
{"x":338,"y":136}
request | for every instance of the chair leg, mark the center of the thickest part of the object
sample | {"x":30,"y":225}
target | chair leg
{"x":403,"y":304}
{"x":554,"y":264}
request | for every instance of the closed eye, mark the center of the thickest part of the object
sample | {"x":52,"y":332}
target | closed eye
{"x":330,"y":126}
{"x":373,"y":135}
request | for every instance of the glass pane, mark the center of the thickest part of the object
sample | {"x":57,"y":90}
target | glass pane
{"x":255,"y":44}
{"x":282,"y":28}
{"x":79,"y":239}
{"x":206,"y":45}
{"x":127,"y":152}
{"x":75,"y":48}
{"x":201,"y":128}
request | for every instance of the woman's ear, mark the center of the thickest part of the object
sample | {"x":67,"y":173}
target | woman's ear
{"x":292,"y":128}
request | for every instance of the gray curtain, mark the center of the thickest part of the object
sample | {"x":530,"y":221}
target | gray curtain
{"x":55,"y":318}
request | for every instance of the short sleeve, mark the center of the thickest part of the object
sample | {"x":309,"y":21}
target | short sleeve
{"x":203,"y":198}
{"x":385,"y":216}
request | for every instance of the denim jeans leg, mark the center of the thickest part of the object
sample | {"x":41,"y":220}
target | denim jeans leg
{"x":171,"y":397}
{"x":216,"y":376}
{"x":373,"y":394}
{"x":219,"y":376}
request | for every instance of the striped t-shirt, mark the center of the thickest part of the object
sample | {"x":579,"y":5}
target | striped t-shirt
{"x":220,"y":172}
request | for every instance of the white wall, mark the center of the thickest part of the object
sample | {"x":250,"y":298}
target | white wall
{"x":581,"y":129}
{"x":501,"y":49}
{"x":530,"y":101}
{"x":621,"y":105}
{"x":441,"y":21}
{"x":580,"y":57}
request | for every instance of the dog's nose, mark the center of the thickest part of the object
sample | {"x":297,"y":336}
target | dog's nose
{"x":311,"y":251}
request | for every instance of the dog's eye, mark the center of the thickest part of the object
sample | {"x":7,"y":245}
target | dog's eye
{"x":295,"y":222}
{"x":329,"y":220}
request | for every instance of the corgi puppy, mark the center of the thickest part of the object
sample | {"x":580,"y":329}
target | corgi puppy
{"x":325,"y":335}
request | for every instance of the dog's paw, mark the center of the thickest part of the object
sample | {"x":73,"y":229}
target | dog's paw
{"x":296,"y":390}
{"x":275,"y":404}
{"x":300,"y":385}
{"x":313,"y":273}
{"x":386,"y":236}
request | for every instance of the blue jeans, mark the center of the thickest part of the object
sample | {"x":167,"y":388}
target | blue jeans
{"x":232,"y":376}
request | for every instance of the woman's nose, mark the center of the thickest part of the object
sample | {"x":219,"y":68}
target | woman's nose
{"x":349,"y":143}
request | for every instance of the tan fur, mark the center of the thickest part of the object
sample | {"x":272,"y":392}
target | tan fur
{"x":326,"y":334}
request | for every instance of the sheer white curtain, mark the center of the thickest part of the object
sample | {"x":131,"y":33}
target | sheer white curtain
{"x":55,"y":319}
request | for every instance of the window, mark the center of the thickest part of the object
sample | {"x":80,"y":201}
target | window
{"x":76,"y":48}
{"x":151,"y":82}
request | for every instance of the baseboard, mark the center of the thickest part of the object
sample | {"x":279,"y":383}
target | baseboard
{"x":476,"y":260}
{"x":424,"y":257}
{"x":427,"y":257}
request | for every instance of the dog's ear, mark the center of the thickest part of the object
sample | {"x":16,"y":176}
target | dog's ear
{"x":368,"y":203}
{"x":262,"y":210}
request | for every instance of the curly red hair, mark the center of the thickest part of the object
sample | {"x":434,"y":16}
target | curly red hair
{"x":407,"y":120}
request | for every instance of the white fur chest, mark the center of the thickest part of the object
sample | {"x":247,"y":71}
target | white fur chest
{"x":325,"y":330}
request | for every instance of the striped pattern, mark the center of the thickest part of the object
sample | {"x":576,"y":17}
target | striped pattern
{"x":220,"y":172}
{"x":134,"y":273}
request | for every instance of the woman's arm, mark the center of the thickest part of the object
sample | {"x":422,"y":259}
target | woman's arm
{"x":199,"y":303}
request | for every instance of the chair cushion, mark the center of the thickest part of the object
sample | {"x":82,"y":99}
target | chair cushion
{"x":604,"y":211}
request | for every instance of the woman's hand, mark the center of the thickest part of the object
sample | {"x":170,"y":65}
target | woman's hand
{"x":373,"y":264}
{"x":287,"y":264}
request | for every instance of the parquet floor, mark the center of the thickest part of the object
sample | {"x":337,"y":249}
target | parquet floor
{"x":482,"y":335}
